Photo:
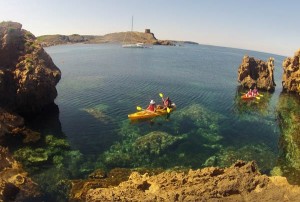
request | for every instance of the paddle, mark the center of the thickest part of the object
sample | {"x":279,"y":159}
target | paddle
{"x":162,"y":96}
{"x":139,"y":108}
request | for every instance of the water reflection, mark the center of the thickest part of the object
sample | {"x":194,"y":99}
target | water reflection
{"x":288,"y":116}
{"x":50,"y":160}
{"x":47,"y":121}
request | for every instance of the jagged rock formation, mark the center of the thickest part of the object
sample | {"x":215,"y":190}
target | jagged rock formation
{"x":15,"y":185}
{"x":241,"y":182}
{"x":291,"y":73}
{"x":28,"y":75}
{"x":257,"y":73}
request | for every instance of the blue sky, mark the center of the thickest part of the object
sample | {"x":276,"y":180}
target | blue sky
{"x":262,"y":25}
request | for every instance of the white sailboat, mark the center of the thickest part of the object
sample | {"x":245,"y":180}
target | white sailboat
{"x":133,"y":45}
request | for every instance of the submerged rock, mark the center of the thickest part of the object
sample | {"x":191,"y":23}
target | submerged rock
{"x":199,"y":116}
{"x":240,"y":182}
{"x":98,"y":112}
{"x":54,"y":147}
{"x":197,"y":120}
{"x":15,"y":185}
{"x":291,"y":73}
{"x":227,"y":156}
{"x":253,"y":72}
{"x":28,"y":75}
{"x":139,"y":150}
{"x":155,"y":143}
{"x":288,"y":117}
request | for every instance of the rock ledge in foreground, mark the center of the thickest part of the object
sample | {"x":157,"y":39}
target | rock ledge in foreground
{"x":241,"y":182}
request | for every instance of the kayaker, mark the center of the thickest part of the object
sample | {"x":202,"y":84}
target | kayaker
{"x":255,"y":91}
{"x":152,"y":106}
{"x":250,"y":93}
{"x":167,"y":102}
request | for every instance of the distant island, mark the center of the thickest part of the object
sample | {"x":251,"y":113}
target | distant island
{"x":119,"y":37}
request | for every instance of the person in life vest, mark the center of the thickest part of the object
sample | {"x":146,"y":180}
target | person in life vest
{"x":255,"y":91}
{"x":167,"y":103}
{"x":250,"y":93}
{"x":152,"y":106}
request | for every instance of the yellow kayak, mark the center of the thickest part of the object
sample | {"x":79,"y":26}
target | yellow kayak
{"x":146,"y":114}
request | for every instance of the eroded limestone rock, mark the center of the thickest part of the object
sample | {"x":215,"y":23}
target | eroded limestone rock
{"x":240,"y":182}
{"x":253,"y":72}
{"x":291,"y":73}
{"x":28,"y":75}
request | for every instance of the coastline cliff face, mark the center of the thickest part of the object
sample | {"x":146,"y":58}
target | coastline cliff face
{"x":253,"y":72}
{"x":28,"y":75}
{"x":291,"y":73}
{"x":28,"y":78}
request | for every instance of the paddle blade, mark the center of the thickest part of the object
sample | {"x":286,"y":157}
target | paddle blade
{"x":168,"y":110}
{"x":257,"y":97}
{"x":139,"y":108}
{"x":161,"y":95}
{"x":261,"y":95}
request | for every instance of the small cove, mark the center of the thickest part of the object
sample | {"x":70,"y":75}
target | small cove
{"x":212,"y":126}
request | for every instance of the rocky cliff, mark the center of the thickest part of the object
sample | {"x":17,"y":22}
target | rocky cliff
{"x":291,"y":73}
{"x":28,"y":75}
{"x":253,"y":72}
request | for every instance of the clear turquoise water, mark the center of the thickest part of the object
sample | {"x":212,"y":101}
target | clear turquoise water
{"x":122,"y":79}
{"x":102,"y":84}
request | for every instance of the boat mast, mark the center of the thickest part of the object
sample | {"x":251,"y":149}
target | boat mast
{"x":131,"y":23}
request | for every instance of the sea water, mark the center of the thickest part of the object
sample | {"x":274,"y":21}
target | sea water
{"x":212,"y":126}
{"x":119,"y":79}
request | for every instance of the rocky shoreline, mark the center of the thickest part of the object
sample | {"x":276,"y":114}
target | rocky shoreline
{"x":240,"y":182}
{"x":28,"y":79}
{"x":119,"y":37}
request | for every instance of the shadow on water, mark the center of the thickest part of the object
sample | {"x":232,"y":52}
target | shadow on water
{"x":288,"y":117}
{"x":47,"y":121}
{"x":48,"y":160}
